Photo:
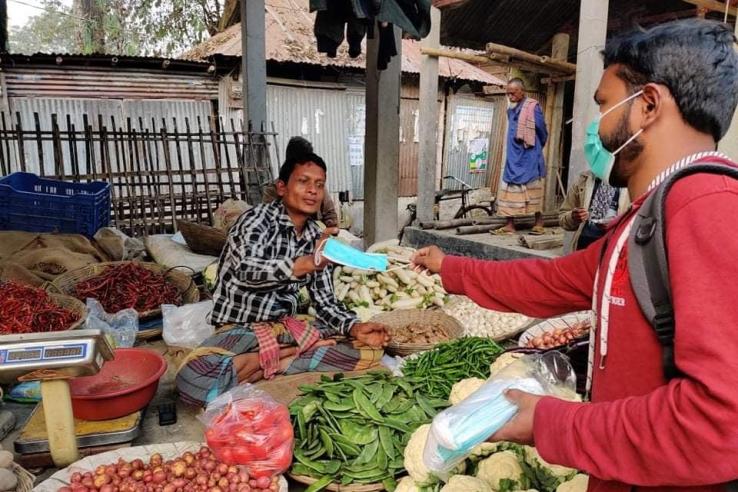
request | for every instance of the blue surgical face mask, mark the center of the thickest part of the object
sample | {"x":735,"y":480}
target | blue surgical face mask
{"x":343,"y":254}
{"x":600,"y":159}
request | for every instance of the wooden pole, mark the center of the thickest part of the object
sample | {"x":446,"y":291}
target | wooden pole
{"x":549,"y":69}
{"x":714,"y":5}
{"x":493,"y":48}
{"x":555,"y":115}
{"x":428,"y":122}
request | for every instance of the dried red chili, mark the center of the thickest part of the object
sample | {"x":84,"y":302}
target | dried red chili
{"x":25,"y":309}
{"x":129,"y":285}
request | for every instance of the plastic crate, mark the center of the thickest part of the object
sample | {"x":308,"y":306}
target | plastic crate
{"x":33,"y":204}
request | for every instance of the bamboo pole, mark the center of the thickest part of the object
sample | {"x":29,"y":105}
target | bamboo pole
{"x":498,"y":49}
{"x":714,"y":5}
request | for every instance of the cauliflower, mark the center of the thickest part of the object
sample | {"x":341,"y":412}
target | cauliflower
{"x":503,"y":361}
{"x":465,"y":483}
{"x":533,"y":458}
{"x":464,"y":388}
{"x":406,"y":484}
{"x":500,"y":466}
{"x":414,"y":464}
{"x":577,"y":484}
{"x":483,"y":450}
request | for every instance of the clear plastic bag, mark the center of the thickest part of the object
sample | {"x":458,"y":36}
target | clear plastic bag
{"x":121,"y":327}
{"x":245,"y":426}
{"x":186,"y":326}
{"x":457,"y":430}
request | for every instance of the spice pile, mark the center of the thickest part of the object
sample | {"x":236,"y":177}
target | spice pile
{"x":25,"y":309}
{"x":439,"y":369}
{"x":200,"y":471}
{"x":559,"y":337}
{"x":129,"y":285}
{"x":420,"y":333}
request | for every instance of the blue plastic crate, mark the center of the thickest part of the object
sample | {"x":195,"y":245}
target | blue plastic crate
{"x":30,"y":203}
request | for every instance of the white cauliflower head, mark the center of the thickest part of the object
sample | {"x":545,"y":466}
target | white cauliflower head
{"x":577,"y":484}
{"x":483,"y":450}
{"x":414,"y":463}
{"x":464,"y":388}
{"x":503,"y":361}
{"x":533,"y":458}
{"x":465,"y":483}
{"x":500,"y":466}
{"x":406,"y":484}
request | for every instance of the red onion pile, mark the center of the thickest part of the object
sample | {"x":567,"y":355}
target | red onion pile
{"x":191,"y":472}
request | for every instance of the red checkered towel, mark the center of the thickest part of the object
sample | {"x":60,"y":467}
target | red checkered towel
{"x":527,"y":123}
{"x":304,"y":334}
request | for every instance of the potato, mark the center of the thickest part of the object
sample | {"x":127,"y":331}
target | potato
{"x":6,"y":459}
{"x":8,"y":480}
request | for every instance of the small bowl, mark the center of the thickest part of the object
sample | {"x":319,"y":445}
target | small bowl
{"x":124,"y":385}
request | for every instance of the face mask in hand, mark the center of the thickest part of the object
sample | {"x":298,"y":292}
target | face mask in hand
{"x":600,"y":159}
{"x":343,"y":254}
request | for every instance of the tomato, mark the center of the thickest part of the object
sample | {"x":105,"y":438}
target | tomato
{"x":281,"y":457}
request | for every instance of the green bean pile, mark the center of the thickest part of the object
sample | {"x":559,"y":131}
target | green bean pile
{"x":354,"y":430}
{"x":439,"y":369}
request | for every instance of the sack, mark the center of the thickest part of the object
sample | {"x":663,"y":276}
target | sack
{"x":245,"y":426}
{"x":187,"y":326}
{"x":456,"y":431}
{"x":648,"y":264}
{"x":120,"y":328}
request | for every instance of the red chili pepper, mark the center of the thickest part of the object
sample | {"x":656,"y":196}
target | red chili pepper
{"x":25,"y":309}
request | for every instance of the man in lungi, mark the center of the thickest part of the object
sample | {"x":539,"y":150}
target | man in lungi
{"x":268,"y":258}
{"x":521,"y":192}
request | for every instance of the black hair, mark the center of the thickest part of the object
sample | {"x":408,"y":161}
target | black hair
{"x":695,"y":59}
{"x":297,"y":148}
{"x":517,"y":81}
{"x":290,"y":164}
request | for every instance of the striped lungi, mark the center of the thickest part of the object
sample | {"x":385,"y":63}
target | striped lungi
{"x":208,"y":371}
{"x":515,"y":200}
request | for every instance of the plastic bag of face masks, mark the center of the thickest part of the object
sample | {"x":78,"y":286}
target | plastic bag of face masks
{"x":457,"y":430}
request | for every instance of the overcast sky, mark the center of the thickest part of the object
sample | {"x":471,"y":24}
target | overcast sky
{"x":20,"y":10}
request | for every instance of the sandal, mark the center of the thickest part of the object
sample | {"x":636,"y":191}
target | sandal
{"x":501,"y":232}
{"x":538,"y":231}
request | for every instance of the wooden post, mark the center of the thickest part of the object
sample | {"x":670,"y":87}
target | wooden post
{"x":382,"y":143}
{"x":555,"y":117}
{"x":253,"y":64}
{"x":592,"y":35}
{"x":428,"y":121}
{"x":729,"y":143}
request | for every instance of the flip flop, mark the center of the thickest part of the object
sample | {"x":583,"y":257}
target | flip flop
{"x":538,"y":231}
{"x":501,"y":232}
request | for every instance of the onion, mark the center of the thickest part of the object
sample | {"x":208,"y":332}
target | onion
{"x":100,"y":470}
{"x":137,"y":475}
{"x":243,"y":476}
{"x":274,"y":487}
{"x":76,"y":477}
{"x":244,"y":487}
{"x":233,"y":469}
{"x":156,"y":459}
{"x":188,"y":458}
{"x":125,"y":471}
{"x":210,"y":465}
{"x":178,"y":468}
{"x":233,"y":477}
{"x":215,"y":476}
{"x":201,"y":480}
{"x":110,"y":470}
{"x":215,"y":489}
{"x":169,"y":488}
{"x":252,"y":483}
{"x":190,"y":473}
{"x":233,"y":487}
{"x":179,"y":482}
{"x":160,"y":476}
{"x":263,"y":482}
{"x":88,"y":482}
{"x":137,"y":464}
{"x":222,"y":468}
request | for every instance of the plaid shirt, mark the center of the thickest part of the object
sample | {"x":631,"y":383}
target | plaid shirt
{"x":255,"y":281}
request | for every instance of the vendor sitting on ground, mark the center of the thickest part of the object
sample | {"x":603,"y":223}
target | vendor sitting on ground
{"x":267,"y":259}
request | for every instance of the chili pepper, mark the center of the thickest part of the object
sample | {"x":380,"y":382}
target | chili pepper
{"x":25,"y":309}
{"x":129,"y":285}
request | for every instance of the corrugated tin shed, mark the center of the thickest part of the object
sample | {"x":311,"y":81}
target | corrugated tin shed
{"x":290,"y":39}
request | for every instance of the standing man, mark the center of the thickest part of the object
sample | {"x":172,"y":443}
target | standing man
{"x":666,"y":98}
{"x":522,"y":187}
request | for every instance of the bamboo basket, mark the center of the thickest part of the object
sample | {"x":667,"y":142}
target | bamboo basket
{"x":66,"y":283}
{"x":403,"y":317}
{"x":72,"y":304}
{"x":202,"y":239}
{"x":370,"y":487}
{"x":25,"y":478}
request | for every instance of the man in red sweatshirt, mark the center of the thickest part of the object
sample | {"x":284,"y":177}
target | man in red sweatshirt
{"x":666,"y":97}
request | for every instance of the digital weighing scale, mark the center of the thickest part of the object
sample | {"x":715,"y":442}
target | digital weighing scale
{"x":53,"y":358}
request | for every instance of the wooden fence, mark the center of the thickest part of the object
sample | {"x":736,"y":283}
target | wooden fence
{"x":160,"y":171}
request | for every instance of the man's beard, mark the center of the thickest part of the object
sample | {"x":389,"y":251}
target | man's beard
{"x":622,"y":168}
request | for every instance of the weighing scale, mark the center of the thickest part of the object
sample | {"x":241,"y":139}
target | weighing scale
{"x":53,"y":358}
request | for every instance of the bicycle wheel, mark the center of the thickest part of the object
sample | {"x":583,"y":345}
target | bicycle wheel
{"x":473,"y":212}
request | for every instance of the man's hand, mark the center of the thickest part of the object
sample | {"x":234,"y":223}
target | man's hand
{"x":520,"y":428}
{"x":430,"y":258}
{"x":371,"y":334}
{"x":305,"y":265}
{"x":579,"y":215}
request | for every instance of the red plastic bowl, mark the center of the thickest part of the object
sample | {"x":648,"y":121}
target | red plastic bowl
{"x":124,"y":385}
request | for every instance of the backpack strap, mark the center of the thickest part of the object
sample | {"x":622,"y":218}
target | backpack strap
{"x":648,"y":264}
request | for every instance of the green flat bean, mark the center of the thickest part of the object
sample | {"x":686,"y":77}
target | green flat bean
{"x":320,"y":484}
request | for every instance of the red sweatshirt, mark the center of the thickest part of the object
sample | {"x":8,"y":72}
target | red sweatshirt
{"x":639,"y":429}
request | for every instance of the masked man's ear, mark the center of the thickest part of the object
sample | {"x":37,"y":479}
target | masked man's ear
{"x":281,"y":188}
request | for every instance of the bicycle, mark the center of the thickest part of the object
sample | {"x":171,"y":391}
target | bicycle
{"x":465,"y":211}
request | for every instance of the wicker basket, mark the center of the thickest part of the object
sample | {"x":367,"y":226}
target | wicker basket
{"x":25,"y":478}
{"x":72,"y":304}
{"x":67,"y":282}
{"x":370,"y":487}
{"x":404,"y":317}
{"x":202,"y":239}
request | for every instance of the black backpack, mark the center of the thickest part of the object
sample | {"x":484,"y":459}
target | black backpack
{"x":648,"y":261}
